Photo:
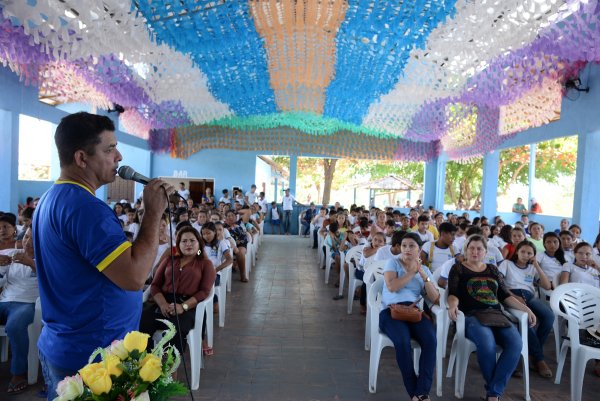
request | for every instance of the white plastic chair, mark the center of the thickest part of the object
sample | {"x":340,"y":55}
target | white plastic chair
{"x":33,"y":331}
{"x":373,"y":270}
{"x":194,"y":337}
{"x":328,"y":261}
{"x":558,"y":321}
{"x":221,"y":293}
{"x":379,"y":340}
{"x":444,"y":320}
{"x":353,"y":253}
{"x":342,"y":274}
{"x":300,"y":215}
{"x":249,"y":256}
{"x":321,"y":243}
{"x":462,"y":348}
{"x":579,"y":305}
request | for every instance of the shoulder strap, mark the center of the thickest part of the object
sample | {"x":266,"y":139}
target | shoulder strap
{"x":430,"y":256}
{"x":451,"y":250}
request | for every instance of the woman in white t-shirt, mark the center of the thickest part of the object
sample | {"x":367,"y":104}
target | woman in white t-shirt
{"x":553,"y":258}
{"x":520,"y":272}
{"x":584,"y":270}
{"x":18,"y":283}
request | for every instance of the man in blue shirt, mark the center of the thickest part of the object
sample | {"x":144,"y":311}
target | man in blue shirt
{"x":90,"y":277}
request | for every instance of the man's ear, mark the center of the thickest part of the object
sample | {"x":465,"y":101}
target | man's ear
{"x":80,"y":158}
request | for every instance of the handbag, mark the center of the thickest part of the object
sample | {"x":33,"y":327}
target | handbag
{"x":407,"y":313}
{"x":492,"y":317}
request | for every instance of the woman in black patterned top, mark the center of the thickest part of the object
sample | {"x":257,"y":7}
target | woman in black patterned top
{"x":477,"y":290}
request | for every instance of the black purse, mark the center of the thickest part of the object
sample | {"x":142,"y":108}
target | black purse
{"x":492,"y":317}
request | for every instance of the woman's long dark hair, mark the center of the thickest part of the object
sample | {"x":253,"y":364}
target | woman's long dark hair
{"x":505,"y":233}
{"x":559,"y":254}
{"x":211,"y":226}
{"x":515,"y":257}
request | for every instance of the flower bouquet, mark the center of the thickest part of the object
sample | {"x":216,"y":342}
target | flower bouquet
{"x":127,"y":372}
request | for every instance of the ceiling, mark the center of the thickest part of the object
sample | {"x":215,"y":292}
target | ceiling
{"x":372,"y":79}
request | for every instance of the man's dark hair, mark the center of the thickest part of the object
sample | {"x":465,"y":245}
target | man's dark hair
{"x":9,"y":218}
{"x":397,"y":237}
{"x":28,"y":213}
{"x":334,"y":227}
{"x":79,"y":131}
{"x":423,"y":218}
{"x":474,"y":230}
{"x":390,"y":223}
{"x":446,"y":227}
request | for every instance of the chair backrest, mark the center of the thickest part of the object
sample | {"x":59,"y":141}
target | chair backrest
{"x":436,"y":276}
{"x":556,"y":280}
{"x":578,"y":303}
{"x":354,"y":252}
{"x":373,"y":270}
{"x":374,"y":304}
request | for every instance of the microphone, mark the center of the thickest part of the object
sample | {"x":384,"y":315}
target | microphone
{"x":128,"y":173}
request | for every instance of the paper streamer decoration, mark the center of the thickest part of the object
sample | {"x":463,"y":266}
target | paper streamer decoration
{"x":299,"y":40}
{"x":414,"y":77}
{"x":283,"y":140}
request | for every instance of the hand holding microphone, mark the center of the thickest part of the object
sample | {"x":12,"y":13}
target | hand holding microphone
{"x":156,"y":191}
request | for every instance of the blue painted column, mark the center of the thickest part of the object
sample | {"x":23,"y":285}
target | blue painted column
{"x":586,"y":203}
{"x":489,"y":184}
{"x":435,"y":182}
{"x":293,"y":173}
{"x":532,"y":149}
{"x":9,"y":160}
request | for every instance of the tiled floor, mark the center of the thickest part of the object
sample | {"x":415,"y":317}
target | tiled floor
{"x":286,"y":339}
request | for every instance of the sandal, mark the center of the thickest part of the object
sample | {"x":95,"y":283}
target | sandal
{"x":423,"y":397}
{"x":207,"y":351}
{"x":17,"y":387}
{"x":338,"y":297}
{"x":244,"y":280}
{"x":543,"y":369}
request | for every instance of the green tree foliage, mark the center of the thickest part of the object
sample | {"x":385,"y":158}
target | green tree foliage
{"x":554,"y":158}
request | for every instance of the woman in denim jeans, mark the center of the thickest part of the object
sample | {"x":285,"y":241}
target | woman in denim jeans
{"x":406,"y":279}
{"x":520,"y":272}
{"x":478,"y":289}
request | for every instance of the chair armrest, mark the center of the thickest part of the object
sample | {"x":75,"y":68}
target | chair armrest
{"x":521,"y":316}
{"x":460,"y":324}
{"x":146,"y":295}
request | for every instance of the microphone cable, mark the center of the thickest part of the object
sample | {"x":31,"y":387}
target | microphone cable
{"x":178,"y":325}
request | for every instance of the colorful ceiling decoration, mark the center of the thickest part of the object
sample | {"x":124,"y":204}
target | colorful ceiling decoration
{"x":368,"y":79}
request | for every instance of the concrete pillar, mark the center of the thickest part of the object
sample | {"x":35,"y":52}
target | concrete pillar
{"x":489,"y":184}
{"x":9,"y":160}
{"x":586,"y":202}
{"x":532,"y":149}
{"x":435,"y":182}
{"x":293,"y":173}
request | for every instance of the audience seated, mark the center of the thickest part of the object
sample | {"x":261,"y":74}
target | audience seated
{"x":19,"y":291}
{"x":194,"y":278}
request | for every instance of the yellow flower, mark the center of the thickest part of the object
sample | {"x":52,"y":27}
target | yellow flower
{"x":150,"y":368}
{"x":96,"y":377}
{"x":135,"y":340}
{"x":112,"y":365}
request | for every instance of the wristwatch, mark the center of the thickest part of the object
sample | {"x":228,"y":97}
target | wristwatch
{"x":185,"y":307}
{"x":427,"y":279}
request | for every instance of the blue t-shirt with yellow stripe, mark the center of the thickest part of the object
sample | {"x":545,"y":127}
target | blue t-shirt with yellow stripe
{"x":76,"y":236}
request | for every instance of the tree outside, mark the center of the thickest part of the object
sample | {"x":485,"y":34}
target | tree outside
{"x":555,"y":171}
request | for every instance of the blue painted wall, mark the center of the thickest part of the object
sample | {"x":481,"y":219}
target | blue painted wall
{"x":227,"y":167}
